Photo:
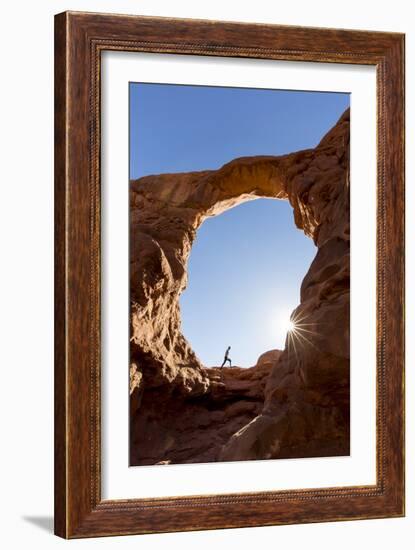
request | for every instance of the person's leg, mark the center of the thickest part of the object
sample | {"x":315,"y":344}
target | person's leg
{"x":224,"y":361}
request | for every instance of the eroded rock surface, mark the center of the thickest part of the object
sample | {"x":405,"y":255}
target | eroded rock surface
{"x":302,"y":409}
{"x":178,"y":429}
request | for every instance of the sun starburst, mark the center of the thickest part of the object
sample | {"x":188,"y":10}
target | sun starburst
{"x":300,"y":333}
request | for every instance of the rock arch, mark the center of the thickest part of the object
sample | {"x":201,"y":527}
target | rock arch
{"x":303,"y":409}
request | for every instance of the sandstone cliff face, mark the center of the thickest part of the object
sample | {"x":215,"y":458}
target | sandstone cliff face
{"x":299,"y":400}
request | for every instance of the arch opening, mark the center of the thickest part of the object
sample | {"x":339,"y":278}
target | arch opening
{"x":244,"y":274}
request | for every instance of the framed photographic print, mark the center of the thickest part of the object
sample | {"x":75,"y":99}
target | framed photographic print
{"x":229,"y":288}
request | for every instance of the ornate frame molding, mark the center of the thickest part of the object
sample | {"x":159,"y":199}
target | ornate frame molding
{"x":79,"y":40}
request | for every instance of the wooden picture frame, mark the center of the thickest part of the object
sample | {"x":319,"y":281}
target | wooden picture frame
{"x":79,"y":40}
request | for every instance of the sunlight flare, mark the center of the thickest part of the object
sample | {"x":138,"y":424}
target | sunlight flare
{"x":285,"y":324}
{"x":290,"y":325}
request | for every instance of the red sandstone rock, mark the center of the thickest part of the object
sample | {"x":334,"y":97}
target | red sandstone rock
{"x":289,"y":405}
{"x":177,"y":429}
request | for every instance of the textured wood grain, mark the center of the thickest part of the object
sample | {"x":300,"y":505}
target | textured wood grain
{"x":79,"y":39}
{"x":60,"y":276}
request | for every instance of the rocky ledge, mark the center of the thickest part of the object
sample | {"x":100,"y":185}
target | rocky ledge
{"x":195,"y":429}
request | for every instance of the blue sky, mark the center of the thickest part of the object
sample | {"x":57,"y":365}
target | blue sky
{"x":246,"y":265}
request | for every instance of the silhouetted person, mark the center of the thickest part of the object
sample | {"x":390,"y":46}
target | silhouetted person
{"x":226,"y":359}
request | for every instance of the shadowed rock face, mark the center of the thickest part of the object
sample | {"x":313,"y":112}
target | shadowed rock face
{"x":195,"y":429}
{"x":292,"y":403}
